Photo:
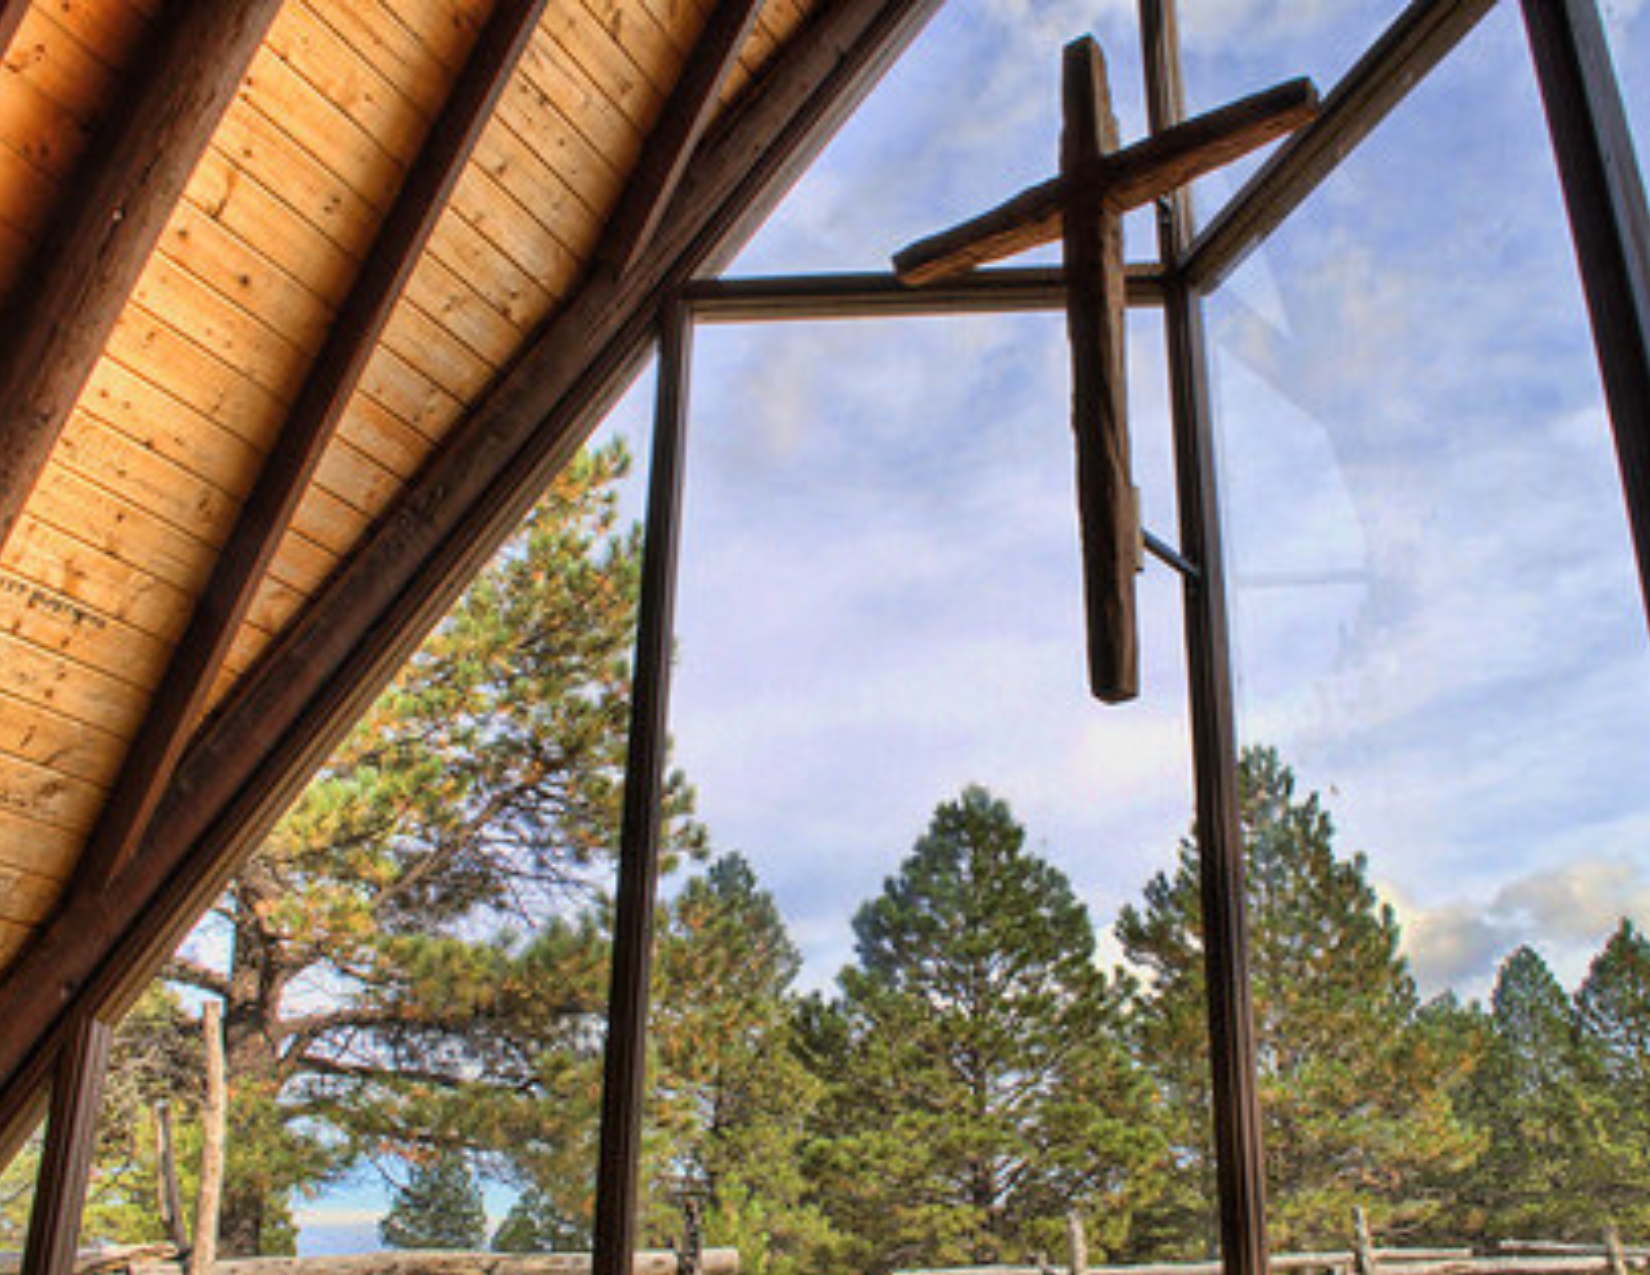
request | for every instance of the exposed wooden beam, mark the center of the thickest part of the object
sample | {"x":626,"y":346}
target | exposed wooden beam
{"x":670,"y":145}
{"x":71,"y":1139}
{"x":253,"y":756}
{"x":1240,"y":1168}
{"x":111,"y":216}
{"x":1107,"y":504}
{"x":182,"y":695}
{"x":1126,"y":179}
{"x":1420,"y":38}
{"x":1604,"y":195}
{"x":817,"y":297}
{"x":12,"y":13}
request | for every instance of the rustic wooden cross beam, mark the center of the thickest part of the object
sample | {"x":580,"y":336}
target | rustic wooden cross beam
{"x":1083,"y":207}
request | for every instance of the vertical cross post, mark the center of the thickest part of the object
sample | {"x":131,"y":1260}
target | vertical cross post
{"x":1096,"y":296}
{"x":1239,"y":1159}
{"x":1604,"y":195}
{"x":625,"y":1062}
{"x":71,"y":1137}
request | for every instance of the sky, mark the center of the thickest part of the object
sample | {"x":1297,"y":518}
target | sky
{"x":1436,"y":619}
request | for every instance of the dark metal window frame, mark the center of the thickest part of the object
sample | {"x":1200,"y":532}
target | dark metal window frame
{"x":1605,"y":200}
{"x":1606,"y":205}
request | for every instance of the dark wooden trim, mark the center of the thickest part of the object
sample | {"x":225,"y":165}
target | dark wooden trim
{"x":252,"y":757}
{"x":12,"y":13}
{"x":1126,"y":179}
{"x":814,"y":298}
{"x":1420,"y":38}
{"x":1240,"y":1162}
{"x":71,"y":1140}
{"x":1095,"y":322}
{"x":670,"y":145}
{"x":1604,"y":194}
{"x":181,"y":698}
{"x":111,"y":215}
{"x":624,"y":1076}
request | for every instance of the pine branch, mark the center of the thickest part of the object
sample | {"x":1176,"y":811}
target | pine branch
{"x":181,"y":969}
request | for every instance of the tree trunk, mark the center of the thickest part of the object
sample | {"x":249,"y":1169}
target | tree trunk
{"x":257,"y":978}
{"x":169,"y":1198}
{"x":214,"y":1122}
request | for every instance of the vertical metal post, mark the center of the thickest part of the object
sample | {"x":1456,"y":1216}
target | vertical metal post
{"x":1604,"y":193}
{"x":71,"y":1138}
{"x":1237,"y":1118}
{"x":625,"y":1070}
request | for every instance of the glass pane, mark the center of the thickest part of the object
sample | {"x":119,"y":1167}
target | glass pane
{"x":1444,"y":684}
{"x":412,"y":969}
{"x":880,"y":607}
{"x":17,"y":1183}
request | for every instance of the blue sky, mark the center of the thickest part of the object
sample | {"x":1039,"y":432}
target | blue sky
{"x":1436,"y":616}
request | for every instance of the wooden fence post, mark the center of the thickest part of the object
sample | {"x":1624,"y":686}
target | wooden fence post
{"x":1077,"y":1244}
{"x":1363,"y":1248}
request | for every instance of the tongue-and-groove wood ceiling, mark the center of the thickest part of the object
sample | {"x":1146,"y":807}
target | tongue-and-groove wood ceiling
{"x":521,"y":307}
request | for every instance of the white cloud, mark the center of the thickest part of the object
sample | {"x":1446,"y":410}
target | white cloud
{"x":1566,"y":912}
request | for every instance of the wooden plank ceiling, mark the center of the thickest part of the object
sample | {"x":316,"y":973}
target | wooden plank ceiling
{"x":102,"y":570}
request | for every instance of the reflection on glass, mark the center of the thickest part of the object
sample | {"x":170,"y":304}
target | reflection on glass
{"x":17,"y":1182}
{"x":1444,"y":684}
{"x":881,"y":702}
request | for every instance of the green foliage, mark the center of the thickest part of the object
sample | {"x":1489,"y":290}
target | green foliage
{"x":979,"y":1088}
{"x":431,"y":882}
{"x":1529,"y":1100}
{"x":1612,"y":1012}
{"x":439,"y":1207}
{"x":1357,"y":1087}
{"x":730,"y":1097}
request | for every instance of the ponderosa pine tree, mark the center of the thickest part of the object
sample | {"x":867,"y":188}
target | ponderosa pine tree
{"x":413,"y":880}
{"x":1613,"y":1027}
{"x":440,"y":1206}
{"x":1528,"y":1100}
{"x":978,"y":1083}
{"x":1356,"y":1085}
{"x":730,"y":1098}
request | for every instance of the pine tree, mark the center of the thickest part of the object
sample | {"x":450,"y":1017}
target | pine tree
{"x":439,"y":1207}
{"x":979,"y":1087}
{"x":1528,"y":1099}
{"x":730,"y":1096}
{"x":1356,"y":1091}
{"x":423,"y":878}
{"x":1613,"y":1024}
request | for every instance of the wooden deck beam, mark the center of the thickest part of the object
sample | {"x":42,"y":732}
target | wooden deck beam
{"x":285,"y":717}
{"x":1127,"y":178}
{"x":287,"y":470}
{"x":111,"y":216}
{"x":671,"y":144}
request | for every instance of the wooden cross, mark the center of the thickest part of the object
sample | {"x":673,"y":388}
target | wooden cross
{"x":1084,"y":207}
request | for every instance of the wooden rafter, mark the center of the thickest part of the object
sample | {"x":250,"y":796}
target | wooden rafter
{"x":279,"y":724}
{"x":113,"y":213}
{"x":1125,"y":179}
{"x":288,"y":469}
{"x":12,"y":13}
{"x":671,"y":144}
